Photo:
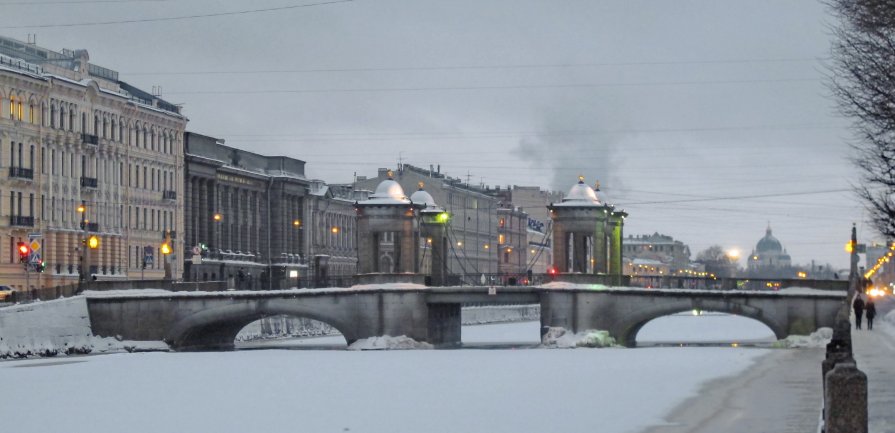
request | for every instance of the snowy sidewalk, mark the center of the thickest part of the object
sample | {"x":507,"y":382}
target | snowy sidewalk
{"x":875,"y":353}
{"x":781,"y":393}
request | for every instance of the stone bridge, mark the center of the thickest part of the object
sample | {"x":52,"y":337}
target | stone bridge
{"x":211,"y":320}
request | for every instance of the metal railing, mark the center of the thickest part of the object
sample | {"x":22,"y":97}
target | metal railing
{"x":90,"y":139}
{"x":21,"y":221}
{"x":21,"y":173}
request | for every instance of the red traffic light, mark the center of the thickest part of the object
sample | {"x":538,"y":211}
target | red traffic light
{"x":24,"y":251}
{"x":551,"y":270}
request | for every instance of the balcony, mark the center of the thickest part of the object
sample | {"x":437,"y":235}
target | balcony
{"x":89,"y":182}
{"x":21,"y":173}
{"x":90,"y":139}
{"x":169,"y":195}
{"x":21,"y":221}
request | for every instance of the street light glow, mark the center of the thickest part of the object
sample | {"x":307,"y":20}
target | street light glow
{"x":218,"y":217}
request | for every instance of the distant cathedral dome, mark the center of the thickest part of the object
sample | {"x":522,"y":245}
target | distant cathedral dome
{"x":768,"y":244}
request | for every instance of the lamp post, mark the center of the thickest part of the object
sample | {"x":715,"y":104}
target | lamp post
{"x":82,"y":249}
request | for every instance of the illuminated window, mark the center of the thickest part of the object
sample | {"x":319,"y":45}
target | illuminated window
{"x":31,"y":114}
{"x":501,"y":239}
{"x":502,"y":223}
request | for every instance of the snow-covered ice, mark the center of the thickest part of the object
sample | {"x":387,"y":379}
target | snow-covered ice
{"x":530,"y":390}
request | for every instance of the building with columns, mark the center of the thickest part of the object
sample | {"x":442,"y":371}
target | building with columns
{"x":244,"y":216}
{"x":73,"y":132}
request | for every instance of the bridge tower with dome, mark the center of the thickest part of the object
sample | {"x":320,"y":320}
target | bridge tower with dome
{"x":587,"y":237}
{"x":388,"y":236}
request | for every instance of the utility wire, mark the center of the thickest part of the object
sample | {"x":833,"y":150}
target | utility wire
{"x":178,"y":18}
{"x":76,"y":2}
{"x":741,"y":197}
{"x":495,"y":87}
{"x":478,"y":67}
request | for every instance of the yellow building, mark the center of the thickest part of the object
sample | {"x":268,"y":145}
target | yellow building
{"x":73,"y":133}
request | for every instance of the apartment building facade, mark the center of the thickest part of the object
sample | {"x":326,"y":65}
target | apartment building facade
{"x":74,"y":137}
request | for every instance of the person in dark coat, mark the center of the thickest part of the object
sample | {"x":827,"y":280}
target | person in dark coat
{"x":858,"y":305}
{"x":870,"y":310}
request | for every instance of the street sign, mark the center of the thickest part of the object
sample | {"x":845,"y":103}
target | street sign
{"x":35,"y":245}
{"x":197,"y":259}
{"x":34,"y":235}
{"x":148,"y":254}
{"x":35,"y":258}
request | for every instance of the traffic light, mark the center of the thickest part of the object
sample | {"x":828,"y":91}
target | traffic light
{"x":166,"y":245}
{"x":24,"y":252}
{"x":41,"y":266}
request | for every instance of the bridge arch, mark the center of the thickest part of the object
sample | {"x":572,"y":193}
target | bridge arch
{"x":216,"y":328}
{"x":626,"y":333}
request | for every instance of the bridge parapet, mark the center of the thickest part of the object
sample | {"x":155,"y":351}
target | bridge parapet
{"x":623,"y":311}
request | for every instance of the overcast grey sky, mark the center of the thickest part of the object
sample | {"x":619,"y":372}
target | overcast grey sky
{"x":704,"y":119}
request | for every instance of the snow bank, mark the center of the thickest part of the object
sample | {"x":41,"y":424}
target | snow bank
{"x":559,"y":285}
{"x":58,"y":327}
{"x":499,"y":314}
{"x":562,"y":338}
{"x":388,"y":342}
{"x":388,"y":286}
{"x":817,"y":339}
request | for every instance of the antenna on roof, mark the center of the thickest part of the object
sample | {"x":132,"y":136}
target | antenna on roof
{"x":157,"y":91}
{"x":32,"y":38}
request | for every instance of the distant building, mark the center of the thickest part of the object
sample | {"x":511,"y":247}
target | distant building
{"x":330,"y":228}
{"x":533,"y":201}
{"x":673,"y":255}
{"x":769,"y":259}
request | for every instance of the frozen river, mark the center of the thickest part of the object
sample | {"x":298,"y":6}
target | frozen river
{"x":511,"y":390}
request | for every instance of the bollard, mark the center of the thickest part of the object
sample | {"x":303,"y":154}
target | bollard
{"x":846,"y":399}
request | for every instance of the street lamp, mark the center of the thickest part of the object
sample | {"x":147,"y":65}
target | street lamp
{"x":218,"y":218}
{"x":83,"y":257}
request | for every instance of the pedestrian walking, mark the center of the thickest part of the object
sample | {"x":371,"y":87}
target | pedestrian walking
{"x":870,"y":310}
{"x":858,"y":305}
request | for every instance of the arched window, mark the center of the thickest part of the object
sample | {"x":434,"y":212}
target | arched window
{"x":95,"y":124}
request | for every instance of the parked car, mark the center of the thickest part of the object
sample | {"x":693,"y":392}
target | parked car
{"x":6,"y":293}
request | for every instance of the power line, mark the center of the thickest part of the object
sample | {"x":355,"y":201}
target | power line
{"x":76,"y":2}
{"x":742,"y":197}
{"x":495,"y":87}
{"x":482,"y":67}
{"x":183,"y":17}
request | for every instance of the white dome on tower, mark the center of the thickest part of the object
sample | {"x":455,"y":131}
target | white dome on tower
{"x":388,"y":192}
{"x":581,"y":194}
{"x":422,"y":197}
